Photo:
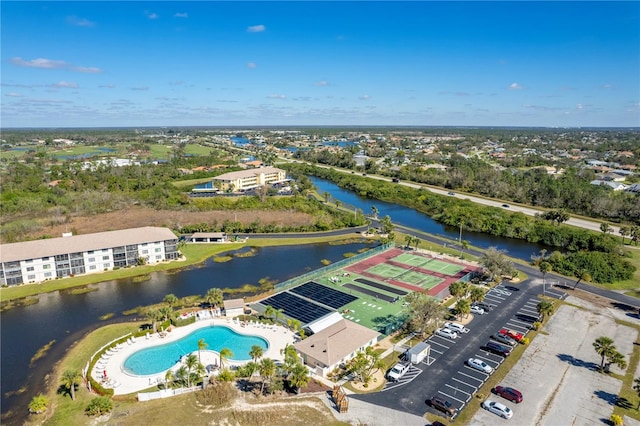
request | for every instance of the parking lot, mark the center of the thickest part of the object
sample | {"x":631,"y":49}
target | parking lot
{"x":558,"y":375}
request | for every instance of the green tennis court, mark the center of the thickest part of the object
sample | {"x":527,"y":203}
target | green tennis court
{"x":405,"y":275}
{"x":387,"y":271}
{"x":428,"y":263}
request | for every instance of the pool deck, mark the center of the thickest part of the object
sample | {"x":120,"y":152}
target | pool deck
{"x":125,"y":383}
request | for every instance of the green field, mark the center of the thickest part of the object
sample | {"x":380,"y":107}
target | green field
{"x":434,"y":265}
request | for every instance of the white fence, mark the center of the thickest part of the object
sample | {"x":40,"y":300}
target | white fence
{"x":166,"y":393}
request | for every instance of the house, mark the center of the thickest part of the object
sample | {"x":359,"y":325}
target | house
{"x":616,"y":186}
{"x":41,"y":260}
{"x":233,"y":307}
{"x":249,"y":179}
{"x":209,"y":237}
{"x":255,"y":164}
{"x":335,"y":345}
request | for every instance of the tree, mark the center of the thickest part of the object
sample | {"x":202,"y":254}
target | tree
{"x":545,"y":308}
{"x":182,"y":374}
{"x":496,"y":263}
{"x":624,"y":231}
{"x":604,"y":347}
{"x":202,"y":345}
{"x":225,"y":355}
{"x":387,"y":227}
{"x":38,"y":404}
{"x":636,"y":387}
{"x":168,"y":377}
{"x":545,"y":267}
{"x":374,"y":212}
{"x":299,"y":377}
{"x":154,"y":315}
{"x":477,"y":294}
{"x":422,"y":311}
{"x":278,"y":313}
{"x":417,"y":241}
{"x":365,"y":363}
{"x":616,"y":358}
{"x":464,"y":245}
{"x":459,"y":289}
{"x":605,"y":228}
{"x":191,"y":364}
{"x":408,"y":239}
{"x":267,"y":369}
{"x":170,"y":299}
{"x":70,"y":378}
{"x":214,"y":297}
{"x":256,"y":352}
{"x":635,"y":234}
{"x":581,"y":275}
{"x":269,"y":311}
{"x":165,"y":312}
{"x":463,"y":307}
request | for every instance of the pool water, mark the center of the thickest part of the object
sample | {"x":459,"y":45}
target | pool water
{"x":160,"y":358}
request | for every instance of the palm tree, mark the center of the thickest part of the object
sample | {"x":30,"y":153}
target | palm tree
{"x":70,"y":378}
{"x":545,"y":267}
{"x":463,"y":307}
{"x":267,"y":369}
{"x":153,"y":315}
{"x":616,"y":358}
{"x":374,"y":212}
{"x":256,"y":352}
{"x":214,"y":297}
{"x":545,"y":308}
{"x":202,"y":345}
{"x":168,"y":377}
{"x":225,"y":354}
{"x":170,"y":299}
{"x":269,"y":311}
{"x":477,"y":294}
{"x":464,"y":245}
{"x":605,"y":228}
{"x":327,"y":196}
{"x":604,"y":347}
{"x":408,"y":239}
{"x":337,"y":203}
{"x":279,"y":313}
{"x":182,"y":374}
{"x":417,"y":241}
{"x":165,"y":312}
{"x":299,"y":376}
{"x":191,"y":363}
{"x":624,"y":231}
{"x":581,"y":275}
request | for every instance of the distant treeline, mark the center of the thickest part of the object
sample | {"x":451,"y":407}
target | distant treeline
{"x":600,"y":254}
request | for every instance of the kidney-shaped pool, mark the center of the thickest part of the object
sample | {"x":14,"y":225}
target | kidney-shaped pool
{"x":160,"y":358}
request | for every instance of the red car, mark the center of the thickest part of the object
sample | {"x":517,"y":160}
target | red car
{"x":511,"y":394}
{"x":513,"y":334}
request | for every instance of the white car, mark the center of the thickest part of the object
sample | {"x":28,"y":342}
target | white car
{"x":498,"y":409}
{"x":445,"y":332}
{"x":478,"y":364}
{"x":454,"y":326}
{"x":477,"y":310}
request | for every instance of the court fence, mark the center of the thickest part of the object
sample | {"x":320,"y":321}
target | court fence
{"x":309,"y":276}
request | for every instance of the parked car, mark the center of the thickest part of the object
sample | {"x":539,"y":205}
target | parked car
{"x":477,"y":310}
{"x":486,"y":306}
{"x":458,"y":328}
{"x":398,"y":371}
{"x":478,"y":364}
{"x":451,"y":193}
{"x":498,"y":408}
{"x":506,"y":206}
{"x":395,"y":180}
{"x":529,"y":318}
{"x":503,"y":338}
{"x":443,"y":405}
{"x":445,"y":332}
{"x":513,"y":334}
{"x":497,"y":348}
{"x":511,"y":394}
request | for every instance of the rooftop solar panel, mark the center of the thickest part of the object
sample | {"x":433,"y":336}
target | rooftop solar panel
{"x":296,"y":307}
{"x":322,"y":294}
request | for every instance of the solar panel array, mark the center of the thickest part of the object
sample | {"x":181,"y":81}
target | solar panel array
{"x":325,"y":295}
{"x":296,"y":307}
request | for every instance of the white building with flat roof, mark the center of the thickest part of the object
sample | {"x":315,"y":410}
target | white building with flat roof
{"x":249,"y":179}
{"x":41,"y":260}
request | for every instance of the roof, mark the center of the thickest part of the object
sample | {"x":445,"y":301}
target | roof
{"x":80,"y":243}
{"x":336,"y":341}
{"x":247,"y":173}
{"x":419,"y":347}
{"x":233,"y":304}
{"x":208,"y":235}
{"x":324,"y":322}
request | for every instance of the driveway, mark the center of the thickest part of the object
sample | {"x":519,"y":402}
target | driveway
{"x":558,"y":372}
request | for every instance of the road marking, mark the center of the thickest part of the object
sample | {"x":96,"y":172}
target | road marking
{"x":487,"y":359}
{"x":495,"y":296}
{"x":458,"y":390}
{"x":465,"y":383}
{"x":474,"y":378}
{"x":452,"y":397}
{"x":433,"y":350}
{"x":532,"y":311}
{"x":446,"y":339}
{"x":526,"y":324}
{"x":439,"y":344}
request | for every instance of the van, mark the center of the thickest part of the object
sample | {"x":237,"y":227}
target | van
{"x":497,"y":348}
{"x":458,"y":328}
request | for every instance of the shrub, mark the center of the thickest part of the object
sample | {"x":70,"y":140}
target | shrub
{"x":616,"y":420}
{"x":218,"y":395}
{"x":99,"y":405}
{"x":38,"y":404}
{"x":226,"y":375}
{"x":525,"y":341}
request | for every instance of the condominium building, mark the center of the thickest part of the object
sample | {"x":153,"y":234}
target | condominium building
{"x":42,"y":260}
{"x":249,"y":179}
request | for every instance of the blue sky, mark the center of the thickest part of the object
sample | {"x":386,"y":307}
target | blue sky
{"x":85,"y":64}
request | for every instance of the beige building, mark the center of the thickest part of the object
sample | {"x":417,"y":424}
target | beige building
{"x":249,"y":179}
{"x":233,"y":307}
{"x":336,"y":344}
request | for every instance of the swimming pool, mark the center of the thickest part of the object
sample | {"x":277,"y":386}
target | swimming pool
{"x":160,"y":358}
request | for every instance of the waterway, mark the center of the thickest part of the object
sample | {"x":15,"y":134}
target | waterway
{"x":405,"y":216}
{"x":65,"y":317}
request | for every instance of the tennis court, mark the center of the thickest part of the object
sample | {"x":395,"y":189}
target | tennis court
{"x":429,"y":263}
{"x":405,"y":275}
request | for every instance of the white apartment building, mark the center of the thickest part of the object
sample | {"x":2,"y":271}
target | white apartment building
{"x":41,"y":260}
{"x":249,"y":179}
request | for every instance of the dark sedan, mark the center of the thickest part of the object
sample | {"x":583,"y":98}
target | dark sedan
{"x":508,"y":393}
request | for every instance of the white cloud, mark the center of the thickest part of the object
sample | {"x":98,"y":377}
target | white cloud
{"x":107,"y":86}
{"x":151,"y":15}
{"x":579,"y":106}
{"x":256,"y":29}
{"x":49,"y":64}
{"x":80,"y":22}
{"x":515,"y":86}
{"x":181,"y":15}
{"x":140,"y":88}
{"x":14,"y":95}
{"x":607,"y":86}
{"x":277,"y":97}
{"x":65,"y":85}
{"x":90,"y":70}
{"x":321,"y":83}
{"x":251,"y":65}
{"x":364,"y":97}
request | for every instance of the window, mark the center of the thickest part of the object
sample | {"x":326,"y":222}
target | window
{"x":105,"y":258}
{"x":92,"y":267}
{"x":145,"y":251}
{"x":158,"y":250}
{"x":29,"y":261}
{"x":90,"y":252}
{"x":46,"y":266}
{"x":47,"y":274}
{"x":92,"y":259}
{"x":107,"y":265}
{"x":45,"y":258}
{"x":31,"y":277}
{"x":30,"y":269}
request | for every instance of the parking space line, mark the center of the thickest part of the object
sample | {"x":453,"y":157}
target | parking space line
{"x":439,"y":344}
{"x":465,"y":383}
{"x":490,"y":356}
{"x":528,"y":311}
{"x":438,"y":352}
{"x":443,"y":338}
{"x":495,"y":295}
{"x":474,"y":378}
{"x":453,"y":397}
{"x":458,"y":390}
{"x":487,"y":359}
{"x":526,"y":324}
